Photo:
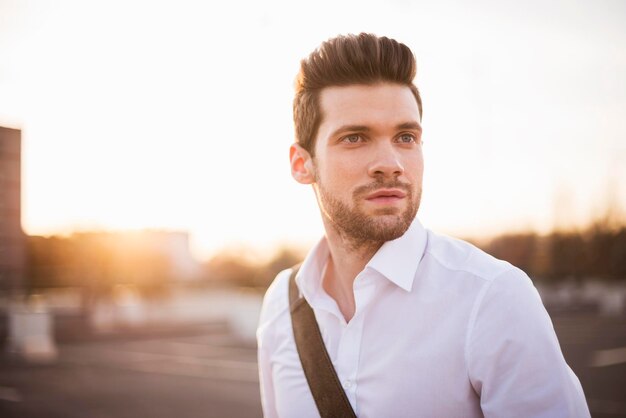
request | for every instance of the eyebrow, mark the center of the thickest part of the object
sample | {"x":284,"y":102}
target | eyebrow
{"x":350,"y":128}
{"x":410,"y":125}
{"x":363,"y":128}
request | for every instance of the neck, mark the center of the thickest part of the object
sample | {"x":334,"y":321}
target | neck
{"x":347,"y":259}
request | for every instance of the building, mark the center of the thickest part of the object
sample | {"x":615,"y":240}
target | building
{"x":12,"y":240}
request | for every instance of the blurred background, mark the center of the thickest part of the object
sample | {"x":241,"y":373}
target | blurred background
{"x":146,"y":201}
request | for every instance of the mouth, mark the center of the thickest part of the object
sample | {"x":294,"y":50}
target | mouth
{"x":384,"y":196}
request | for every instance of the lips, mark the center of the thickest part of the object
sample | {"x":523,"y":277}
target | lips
{"x":384,"y":195}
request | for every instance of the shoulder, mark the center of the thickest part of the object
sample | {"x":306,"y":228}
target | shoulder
{"x":494,"y":284}
{"x":455,"y":255}
{"x":275,"y":302}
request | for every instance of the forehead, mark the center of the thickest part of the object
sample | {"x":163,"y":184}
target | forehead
{"x":369,"y":105}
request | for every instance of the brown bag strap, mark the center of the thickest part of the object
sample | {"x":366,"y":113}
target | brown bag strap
{"x":329,"y":396}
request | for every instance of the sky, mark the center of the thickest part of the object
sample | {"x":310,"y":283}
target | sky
{"x":177,"y":114}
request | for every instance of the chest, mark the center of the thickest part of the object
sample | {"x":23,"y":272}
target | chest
{"x":397,"y":354}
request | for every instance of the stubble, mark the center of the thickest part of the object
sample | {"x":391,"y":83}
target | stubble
{"x":360,"y":230}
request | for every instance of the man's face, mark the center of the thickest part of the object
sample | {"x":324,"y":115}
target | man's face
{"x":368,"y":164}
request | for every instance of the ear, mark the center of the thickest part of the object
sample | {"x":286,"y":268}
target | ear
{"x":302,"y":168}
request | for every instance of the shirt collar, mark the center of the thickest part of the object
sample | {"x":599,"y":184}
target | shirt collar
{"x":396,"y":260}
{"x":309,"y":277}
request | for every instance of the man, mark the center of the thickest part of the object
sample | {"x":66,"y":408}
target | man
{"x":415,"y":324}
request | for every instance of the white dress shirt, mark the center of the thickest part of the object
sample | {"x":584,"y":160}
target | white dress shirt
{"x":441,"y":329}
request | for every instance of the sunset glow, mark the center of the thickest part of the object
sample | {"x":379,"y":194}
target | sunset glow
{"x":177,"y":115}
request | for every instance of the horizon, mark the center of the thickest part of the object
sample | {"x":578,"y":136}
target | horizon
{"x":261,"y":253}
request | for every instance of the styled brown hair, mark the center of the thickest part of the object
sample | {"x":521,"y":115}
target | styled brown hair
{"x":343,"y":61}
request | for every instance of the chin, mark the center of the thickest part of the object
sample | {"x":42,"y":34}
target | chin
{"x":384,"y":228}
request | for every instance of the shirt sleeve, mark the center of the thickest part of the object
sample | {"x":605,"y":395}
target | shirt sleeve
{"x":274,"y":303}
{"x":266,"y":384}
{"x":513,"y":356}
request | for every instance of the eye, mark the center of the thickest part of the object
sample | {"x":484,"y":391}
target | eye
{"x":407,"y":138}
{"x":352,"y":138}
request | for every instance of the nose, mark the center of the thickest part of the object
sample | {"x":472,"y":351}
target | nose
{"x":386,"y":162}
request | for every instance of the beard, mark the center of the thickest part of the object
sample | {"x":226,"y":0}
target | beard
{"x":361,"y":229}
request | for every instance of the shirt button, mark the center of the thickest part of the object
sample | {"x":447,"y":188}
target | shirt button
{"x":347,"y":384}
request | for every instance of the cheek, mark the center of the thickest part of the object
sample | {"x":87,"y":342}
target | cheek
{"x":415,"y":168}
{"x":339,"y":174}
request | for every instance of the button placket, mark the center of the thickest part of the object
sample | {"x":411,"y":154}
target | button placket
{"x":349,"y":351}
{"x":348,"y":357}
